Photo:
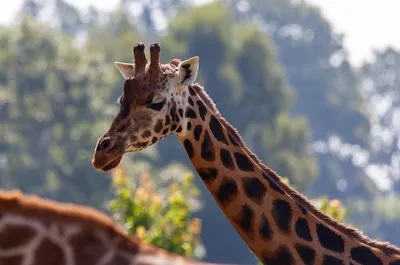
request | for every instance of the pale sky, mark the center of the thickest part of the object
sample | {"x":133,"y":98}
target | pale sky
{"x":367,"y":24}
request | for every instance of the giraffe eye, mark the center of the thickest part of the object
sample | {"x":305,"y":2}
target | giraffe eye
{"x":156,"y":105}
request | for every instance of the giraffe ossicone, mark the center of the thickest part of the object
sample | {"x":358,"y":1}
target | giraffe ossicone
{"x":278,"y":224}
{"x":36,"y":231}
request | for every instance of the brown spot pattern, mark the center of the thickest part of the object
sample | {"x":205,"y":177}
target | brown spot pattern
{"x":254,"y":189}
{"x":189,"y":148}
{"x":197,"y":132}
{"x":12,"y":260}
{"x":226,"y":159}
{"x":48,"y":253}
{"x":190,"y":100}
{"x":282,"y":214}
{"x":306,"y":254}
{"x":159,"y":126}
{"x":87,"y":246}
{"x":190,"y":113}
{"x":13,"y":236}
{"x":281,"y":256}
{"x":207,"y":148}
{"x":208,"y":175}
{"x":243,"y":162}
{"x":245,"y":221}
{"x":146,"y":134}
{"x":228,"y":190}
{"x":167,"y":120}
{"x":265,"y":229}
{"x":217,"y":130}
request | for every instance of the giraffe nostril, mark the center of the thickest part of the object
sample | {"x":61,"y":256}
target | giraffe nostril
{"x":104,"y":144}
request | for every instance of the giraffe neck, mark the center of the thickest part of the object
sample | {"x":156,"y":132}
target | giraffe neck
{"x":35,"y":231}
{"x":278,"y":224}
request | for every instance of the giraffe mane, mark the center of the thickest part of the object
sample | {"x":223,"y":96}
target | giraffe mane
{"x":15,"y":202}
{"x":354,"y":233}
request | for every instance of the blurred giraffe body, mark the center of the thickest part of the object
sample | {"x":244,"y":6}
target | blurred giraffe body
{"x":36,"y":231}
{"x":278,"y":224}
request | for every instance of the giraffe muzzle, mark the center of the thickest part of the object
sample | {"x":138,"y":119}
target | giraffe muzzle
{"x":102,"y":165}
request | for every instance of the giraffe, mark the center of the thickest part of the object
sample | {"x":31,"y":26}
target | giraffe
{"x":278,"y":224}
{"x":37,"y":231}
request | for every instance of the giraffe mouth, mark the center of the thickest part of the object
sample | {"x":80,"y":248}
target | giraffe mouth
{"x":112,"y":164}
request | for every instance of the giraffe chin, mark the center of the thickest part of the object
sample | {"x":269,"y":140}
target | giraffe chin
{"x":112,"y":164}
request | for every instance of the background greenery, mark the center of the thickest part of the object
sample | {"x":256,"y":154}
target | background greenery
{"x":277,"y":72}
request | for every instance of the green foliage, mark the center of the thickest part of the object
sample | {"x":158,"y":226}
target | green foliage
{"x":50,"y":115}
{"x":334,"y":208}
{"x":287,"y":148}
{"x":160,"y":219}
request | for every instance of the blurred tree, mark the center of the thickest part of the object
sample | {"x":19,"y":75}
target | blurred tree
{"x":59,"y":13}
{"x":92,"y":18}
{"x":380,"y":88}
{"x":280,"y":140}
{"x":67,"y":17}
{"x":327,"y":88}
{"x":150,"y":15}
{"x":50,"y":114}
{"x":32,"y":8}
{"x":118,"y":35}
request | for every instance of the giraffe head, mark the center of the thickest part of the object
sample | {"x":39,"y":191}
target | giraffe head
{"x":151,"y":106}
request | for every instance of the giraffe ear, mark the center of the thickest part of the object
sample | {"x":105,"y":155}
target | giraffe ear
{"x":126,"y":69}
{"x":188,"y":70}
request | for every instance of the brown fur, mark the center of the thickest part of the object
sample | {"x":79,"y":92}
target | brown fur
{"x":136,"y":93}
{"x":17,"y":203}
{"x":14,"y":202}
{"x":48,"y":212}
{"x":299,"y":198}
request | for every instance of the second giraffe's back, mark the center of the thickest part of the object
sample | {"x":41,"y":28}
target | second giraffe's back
{"x":35,"y":231}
